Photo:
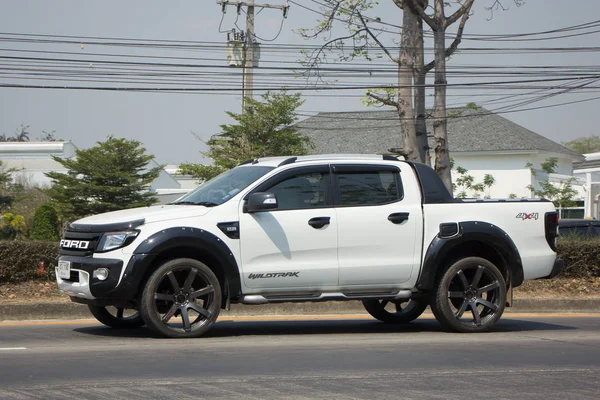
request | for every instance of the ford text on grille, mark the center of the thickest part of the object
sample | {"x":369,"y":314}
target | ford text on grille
{"x":74,"y":244}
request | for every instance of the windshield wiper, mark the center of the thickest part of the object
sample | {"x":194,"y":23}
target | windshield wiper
{"x":197,"y":203}
{"x":206,"y":204}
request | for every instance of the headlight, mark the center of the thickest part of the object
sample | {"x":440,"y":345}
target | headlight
{"x":114,"y":240}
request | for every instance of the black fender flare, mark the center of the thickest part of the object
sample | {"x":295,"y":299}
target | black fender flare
{"x":441,"y":248}
{"x":151,"y":249}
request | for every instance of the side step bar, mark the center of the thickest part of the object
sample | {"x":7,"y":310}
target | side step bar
{"x":299,"y":297}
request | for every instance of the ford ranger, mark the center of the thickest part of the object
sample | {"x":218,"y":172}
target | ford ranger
{"x":310,"y":228}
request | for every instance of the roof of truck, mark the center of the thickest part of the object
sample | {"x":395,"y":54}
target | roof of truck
{"x":283,"y":160}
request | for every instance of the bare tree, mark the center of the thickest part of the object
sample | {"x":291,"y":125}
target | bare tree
{"x":420,"y":72}
{"x":409,"y":97}
{"x":364,"y":36}
{"x":439,"y":23}
{"x":21,"y":135}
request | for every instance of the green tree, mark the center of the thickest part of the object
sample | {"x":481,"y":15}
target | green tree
{"x":21,"y":135}
{"x":12,"y":226}
{"x":465,"y":183}
{"x":45,"y":223}
{"x":112,"y":175}
{"x":583,"y":145}
{"x":8,"y":189}
{"x":561,"y":194}
{"x":265,"y":129}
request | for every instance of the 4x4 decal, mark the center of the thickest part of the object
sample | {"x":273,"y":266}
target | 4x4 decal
{"x":274,"y":275}
{"x":525,"y":216}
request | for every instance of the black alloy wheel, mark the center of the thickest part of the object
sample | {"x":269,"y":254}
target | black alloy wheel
{"x":470,"y":297}
{"x":119,"y":318}
{"x":401,"y":311}
{"x":182,"y":298}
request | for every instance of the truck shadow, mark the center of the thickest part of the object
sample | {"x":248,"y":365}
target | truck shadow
{"x":233,"y":328}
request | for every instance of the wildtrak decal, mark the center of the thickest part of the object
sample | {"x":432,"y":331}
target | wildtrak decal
{"x":274,"y":275}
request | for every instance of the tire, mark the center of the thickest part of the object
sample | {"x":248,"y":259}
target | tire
{"x":406,"y":310}
{"x":117,"y":320}
{"x":181,"y":299}
{"x":470,"y":296}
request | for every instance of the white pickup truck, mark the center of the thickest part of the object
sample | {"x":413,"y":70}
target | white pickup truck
{"x":311,"y":228}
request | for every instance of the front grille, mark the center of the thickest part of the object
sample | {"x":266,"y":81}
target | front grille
{"x":91,"y":238}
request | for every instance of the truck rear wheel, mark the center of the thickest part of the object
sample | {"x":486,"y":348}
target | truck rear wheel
{"x":181,"y":299}
{"x":400,"y":311}
{"x":118,"y":318}
{"x":470,"y":297}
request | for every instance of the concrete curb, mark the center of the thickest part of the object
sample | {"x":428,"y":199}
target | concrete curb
{"x":44,"y":311}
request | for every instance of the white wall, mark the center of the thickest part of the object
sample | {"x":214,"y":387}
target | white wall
{"x":185,"y":181}
{"x":565,"y":163}
{"x":509,"y":171}
{"x":34,"y":159}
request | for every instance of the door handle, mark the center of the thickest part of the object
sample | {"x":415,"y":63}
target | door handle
{"x":398,"y":218}
{"x":318,"y":222}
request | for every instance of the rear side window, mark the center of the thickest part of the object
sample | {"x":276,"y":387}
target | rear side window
{"x":368,"y":188}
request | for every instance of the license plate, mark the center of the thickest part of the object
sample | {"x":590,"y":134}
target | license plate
{"x":64,"y":269}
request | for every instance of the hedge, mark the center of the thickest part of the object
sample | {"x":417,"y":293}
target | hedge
{"x":20,"y":260}
{"x":581,"y":255}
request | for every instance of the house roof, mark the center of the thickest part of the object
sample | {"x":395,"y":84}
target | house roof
{"x":587,"y":164}
{"x":592,"y":160}
{"x":468,"y":131}
{"x":36,"y":147}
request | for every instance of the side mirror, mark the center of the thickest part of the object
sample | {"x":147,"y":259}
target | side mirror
{"x":261,"y":201}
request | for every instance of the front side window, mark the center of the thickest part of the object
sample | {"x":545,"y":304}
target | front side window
{"x":368,"y":188}
{"x":300,"y":191}
{"x":223,"y":187}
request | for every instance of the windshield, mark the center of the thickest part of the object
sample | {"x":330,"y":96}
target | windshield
{"x":223,"y":187}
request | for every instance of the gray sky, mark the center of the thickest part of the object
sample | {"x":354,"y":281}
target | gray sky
{"x":163,"y":122}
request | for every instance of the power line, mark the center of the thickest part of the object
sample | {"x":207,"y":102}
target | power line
{"x":474,"y":36}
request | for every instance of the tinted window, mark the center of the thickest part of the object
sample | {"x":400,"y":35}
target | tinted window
{"x":300,"y":191}
{"x":368,"y":188}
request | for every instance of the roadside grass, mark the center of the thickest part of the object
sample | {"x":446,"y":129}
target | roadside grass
{"x":558,"y":288}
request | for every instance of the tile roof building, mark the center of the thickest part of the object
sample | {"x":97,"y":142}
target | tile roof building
{"x":478,"y":140}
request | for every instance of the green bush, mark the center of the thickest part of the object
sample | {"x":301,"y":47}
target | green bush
{"x":20,"y":260}
{"x":581,"y":255}
{"x":45,"y":223}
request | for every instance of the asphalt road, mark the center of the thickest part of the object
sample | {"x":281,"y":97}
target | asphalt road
{"x":525,"y":357}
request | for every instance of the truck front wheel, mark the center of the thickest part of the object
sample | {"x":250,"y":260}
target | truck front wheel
{"x":181,"y":299}
{"x":118,"y":318}
{"x":395,"y":311}
{"x":470,"y":297}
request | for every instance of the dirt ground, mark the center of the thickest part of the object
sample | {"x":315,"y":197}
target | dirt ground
{"x":39,"y":292}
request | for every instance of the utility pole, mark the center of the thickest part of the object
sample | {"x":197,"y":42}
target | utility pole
{"x":251,"y":55}
{"x":248,"y":56}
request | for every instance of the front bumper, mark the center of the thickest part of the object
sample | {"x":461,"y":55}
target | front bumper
{"x":559,"y":265}
{"x":82,"y":284}
{"x":122,"y":284}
